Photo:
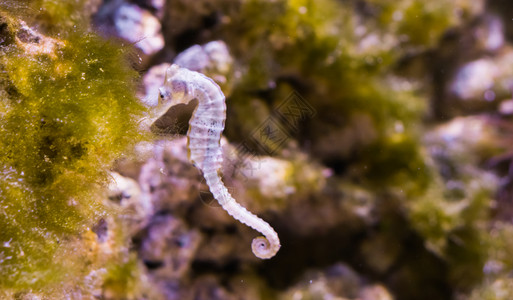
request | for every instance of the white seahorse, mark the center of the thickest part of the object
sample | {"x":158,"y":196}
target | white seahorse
{"x":203,"y":139}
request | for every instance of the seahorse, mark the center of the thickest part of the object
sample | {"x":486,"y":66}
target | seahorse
{"x":203,"y":140}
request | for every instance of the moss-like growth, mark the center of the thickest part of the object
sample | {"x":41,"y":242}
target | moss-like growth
{"x":122,"y":280}
{"x":67,"y":111}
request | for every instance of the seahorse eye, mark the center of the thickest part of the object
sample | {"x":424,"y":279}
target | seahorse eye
{"x":163,"y":93}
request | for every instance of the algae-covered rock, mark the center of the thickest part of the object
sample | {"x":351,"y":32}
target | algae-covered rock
{"x":342,"y":70}
{"x":68,"y":110}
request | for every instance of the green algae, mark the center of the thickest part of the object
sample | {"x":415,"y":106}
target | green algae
{"x":68,"y":110}
{"x":123,"y":280}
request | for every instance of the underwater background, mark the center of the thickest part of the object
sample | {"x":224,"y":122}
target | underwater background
{"x":375,"y":137}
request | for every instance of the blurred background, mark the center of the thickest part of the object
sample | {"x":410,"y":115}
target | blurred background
{"x":375,"y":136}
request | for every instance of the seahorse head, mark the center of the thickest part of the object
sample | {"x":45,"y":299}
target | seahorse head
{"x":176,"y":89}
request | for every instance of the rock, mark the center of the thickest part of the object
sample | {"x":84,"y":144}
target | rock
{"x":337,"y":282}
{"x":212,"y":59}
{"x":133,"y":24}
{"x":168,"y":248}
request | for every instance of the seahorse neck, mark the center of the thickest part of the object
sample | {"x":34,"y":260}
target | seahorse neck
{"x":206,"y":90}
